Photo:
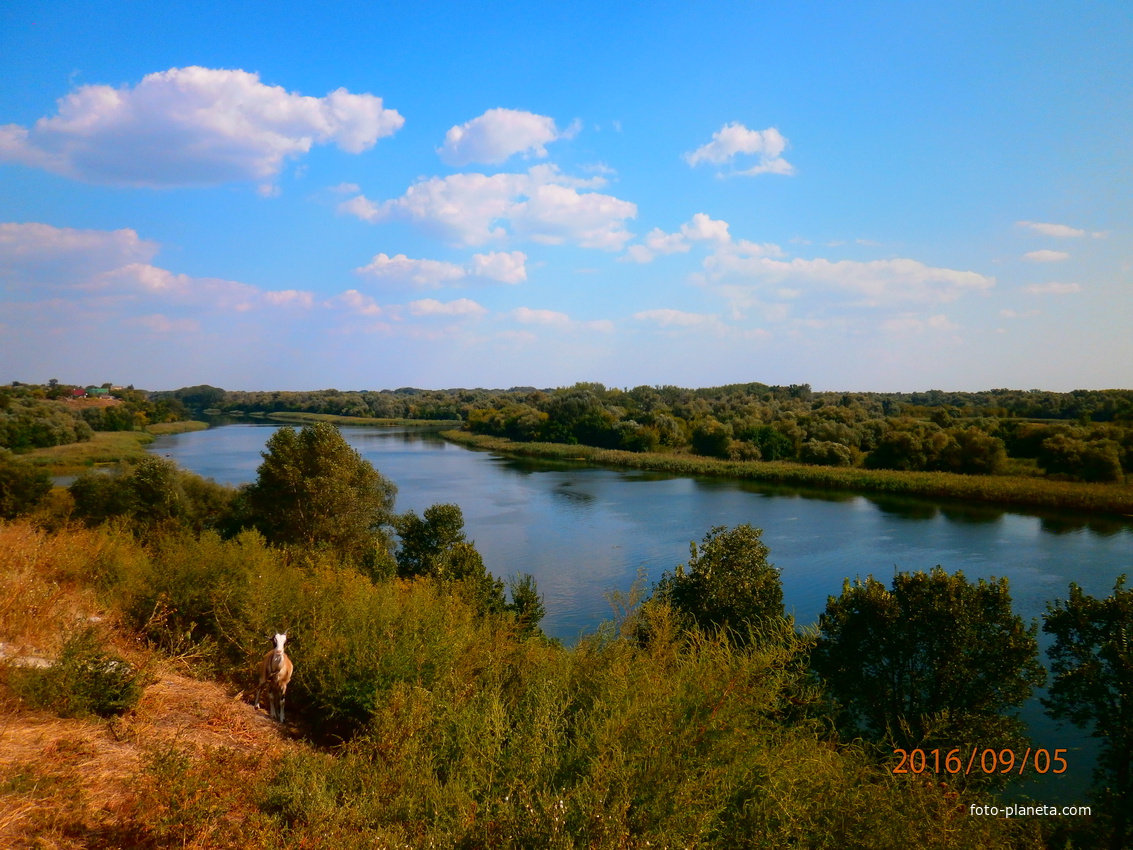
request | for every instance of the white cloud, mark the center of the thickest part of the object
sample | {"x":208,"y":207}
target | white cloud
{"x":499,"y":134}
{"x":1052,"y":288}
{"x":878,"y":282}
{"x":1046,"y":256}
{"x":36,"y":255}
{"x":355,"y":302}
{"x":667,"y":318}
{"x":114,"y":264}
{"x":502,"y":266}
{"x":734,"y":140}
{"x":555,"y":319}
{"x":700,"y":228}
{"x":542,"y":205}
{"x":192,"y":126}
{"x":459,"y":307}
{"x":528,"y":316}
{"x":1057,"y":230}
{"x":402,"y":269}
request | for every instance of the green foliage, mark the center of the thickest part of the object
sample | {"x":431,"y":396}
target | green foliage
{"x":22,"y":487}
{"x":1089,"y":460}
{"x":27,"y":423}
{"x":313,"y":490}
{"x":1092,"y":668}
{"x":711,"y":438}
{"x":87,"y":679}
{"x":728,"y":585}
{"x":936,"y":661}
{"x":150,"y":493}
{"x":826,"y":453}
{"x":426,"y":544}
{"x":526,"y":603}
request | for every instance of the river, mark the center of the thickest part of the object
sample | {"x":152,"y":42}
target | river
{"x":583,"y":531}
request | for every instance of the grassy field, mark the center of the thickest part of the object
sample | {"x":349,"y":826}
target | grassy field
{"x":1019,"y":491}
{"x":304,"y":418}
{"x":105,"y":447}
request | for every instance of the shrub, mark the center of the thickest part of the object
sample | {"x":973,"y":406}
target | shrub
{"x":88,"y":678}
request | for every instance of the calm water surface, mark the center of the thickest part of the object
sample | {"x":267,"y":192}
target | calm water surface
{"x":582,"y":530}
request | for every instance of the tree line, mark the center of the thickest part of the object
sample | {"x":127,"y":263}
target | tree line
{"x":1082,"y":435}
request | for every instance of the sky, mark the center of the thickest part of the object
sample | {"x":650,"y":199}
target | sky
{"x":867,"y":196}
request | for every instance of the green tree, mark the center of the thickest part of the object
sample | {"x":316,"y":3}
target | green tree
{"x":428,"y":544}
{"x":152,"y":492}
{"x":314,"y":490}
{"x":727,"y":583}
{"x":936,"y":661}
{"x":22,"y":486}
{"x":1092,"y":666}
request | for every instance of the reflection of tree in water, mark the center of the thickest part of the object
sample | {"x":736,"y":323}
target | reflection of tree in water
{"x":567,"y":491}
{"x":907,"y":508}
{"x":1101,"y":526}
{"x":972,"y":514}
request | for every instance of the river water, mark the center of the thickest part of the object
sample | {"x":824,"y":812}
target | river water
{"x":583,"y":531}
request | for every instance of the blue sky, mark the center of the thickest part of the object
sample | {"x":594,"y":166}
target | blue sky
{"x":860,"y":196}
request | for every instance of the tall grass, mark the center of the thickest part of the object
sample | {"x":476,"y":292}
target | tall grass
{"x":1021,"y":491}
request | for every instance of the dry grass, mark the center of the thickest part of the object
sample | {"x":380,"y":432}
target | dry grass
{"x":176,"y":771}
{"x":94,"y":784}
{"x":41,"y":595}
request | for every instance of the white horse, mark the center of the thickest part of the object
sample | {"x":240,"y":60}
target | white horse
{"x":275,"y":673}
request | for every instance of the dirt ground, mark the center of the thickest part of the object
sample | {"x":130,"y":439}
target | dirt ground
{"x":67,"y":783}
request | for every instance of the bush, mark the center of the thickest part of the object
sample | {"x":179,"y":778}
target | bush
{"x":826,"y":453}
{"x":22,"y":487}
{"x":87,"y":679}
{"x":728,"y":584}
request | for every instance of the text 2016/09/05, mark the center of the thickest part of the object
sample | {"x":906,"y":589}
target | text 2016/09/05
{"x":985,"y":761}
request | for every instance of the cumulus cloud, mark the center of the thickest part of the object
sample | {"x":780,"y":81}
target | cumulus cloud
{"x":502,"y":266}
{"x":542,"y":205}
{"x":499,"y":134}
{"x":528,"y":316}
{"x":666,"y":317}
{"x":39,"y":255}
{"x":402,"y":269}
{"x":1046,"y":256}
{"x":459,"y":307}
{"x":355,"y":302}
{"x":1060,"y":231}
{"x":113,"y":264}
{"x":876,"y":282}
{"x":700,"y":228}
{"x":1052,"y":288}
{"x":555,"y":319}
{"x":192,"y":126}
{"x":734,"y":140}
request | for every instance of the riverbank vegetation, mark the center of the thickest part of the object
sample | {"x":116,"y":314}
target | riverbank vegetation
{"x":430,"y":710}
{"x":1021,"y":491}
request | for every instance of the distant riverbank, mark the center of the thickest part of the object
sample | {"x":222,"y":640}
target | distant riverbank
{"x":1111,"y":499}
